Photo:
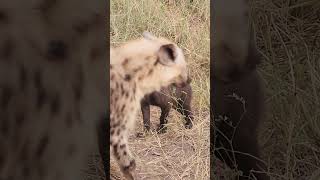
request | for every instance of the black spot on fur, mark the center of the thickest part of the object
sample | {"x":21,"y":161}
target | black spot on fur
{"x":127,"y":77}
{"x":140,"y":78}
{"x":57,"y":50}
{"x":115,"y":125}
{"x":137,"y":69}
{"x":46,"y":5}
{"x":122,"y":89}
{"x":6,"y":96}
{"x":122,"y":108}
{"x":122,"y":146}
{"x":23,"y":78}
{"x":42,"y":146}
{"x":125,"y":62}
{"x":127,"y":94}
{"x":115,"y":151}
{"x":134,"y":88}
{"x":150,"y":72}
{"x":7,"y":50}
{"x":41,"y":94}
{"x":3,"y":17}
{"x":55,"y":105}
{"x":111,"y":92}
{"x":20,"y":118}
{"x":78,"y":86}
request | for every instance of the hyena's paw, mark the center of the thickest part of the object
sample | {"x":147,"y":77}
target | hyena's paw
{"x":129,"y":170}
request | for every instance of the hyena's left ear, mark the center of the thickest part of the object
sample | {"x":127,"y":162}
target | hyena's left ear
{"x":167,"y":54}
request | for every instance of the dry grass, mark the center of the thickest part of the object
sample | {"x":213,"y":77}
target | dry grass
{"x":288,"y":35}
{"x":180,"y":153}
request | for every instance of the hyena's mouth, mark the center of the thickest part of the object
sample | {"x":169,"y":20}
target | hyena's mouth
{"x":182,"y":81}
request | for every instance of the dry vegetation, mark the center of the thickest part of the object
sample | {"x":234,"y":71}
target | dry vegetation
{"x":288,"y":35}
{"x":180,"y":153}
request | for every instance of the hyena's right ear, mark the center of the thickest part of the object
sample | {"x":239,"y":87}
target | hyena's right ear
{"x":167,"y":54}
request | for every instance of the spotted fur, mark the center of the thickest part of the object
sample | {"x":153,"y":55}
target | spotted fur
{"x":137,"y":68}
{"x":52,"y":90}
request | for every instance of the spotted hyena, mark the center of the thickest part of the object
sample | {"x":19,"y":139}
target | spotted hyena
{"x":137,"y":68}
{"x":52,"y":86}
{"x":169,"y":97}
{"x":237,"y":102}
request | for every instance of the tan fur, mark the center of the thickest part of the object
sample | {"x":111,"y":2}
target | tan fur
{"x":137,"y":68}
{"x":52,"y":90}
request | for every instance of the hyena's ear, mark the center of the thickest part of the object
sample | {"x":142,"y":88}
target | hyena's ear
{"x":167,"y":54}
{"x":148,"y":35}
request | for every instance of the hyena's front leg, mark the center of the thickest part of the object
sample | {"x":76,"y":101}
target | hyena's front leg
{"x":120,"y":149}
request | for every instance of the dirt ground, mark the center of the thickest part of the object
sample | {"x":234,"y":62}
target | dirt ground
{"x":178,"y":154}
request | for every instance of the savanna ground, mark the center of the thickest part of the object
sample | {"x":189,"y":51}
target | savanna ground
{"x":180,"y":153}
{"x":288,"y":36}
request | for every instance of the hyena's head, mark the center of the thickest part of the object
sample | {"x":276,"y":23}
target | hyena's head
{"x":235,"y":54}
{"x":152,"y":62}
